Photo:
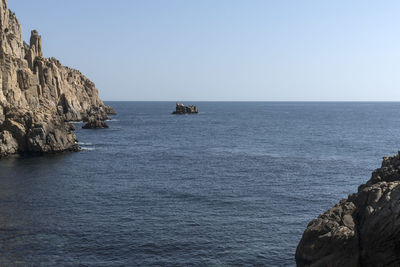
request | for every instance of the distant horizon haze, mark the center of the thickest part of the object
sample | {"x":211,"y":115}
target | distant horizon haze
{"x":224,"y":50}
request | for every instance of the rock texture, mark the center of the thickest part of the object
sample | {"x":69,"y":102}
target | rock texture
{"x":362,"y":230}
{"x":95,"y":123}
{"x":182,"y":109}
{"x":38,"y":96}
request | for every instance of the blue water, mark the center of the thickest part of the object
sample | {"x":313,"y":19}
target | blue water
{"x":235,"y":185}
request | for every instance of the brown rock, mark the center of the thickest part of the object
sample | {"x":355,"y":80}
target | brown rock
{"x":362,"y":230}
{"x":110,"y":110}
{"x":182,"y":109}
{"x":95,"y":123}
{"x":8,"y":145}
{"x":37,"y":94}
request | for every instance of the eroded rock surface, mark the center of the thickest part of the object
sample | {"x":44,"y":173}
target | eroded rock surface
{"x":38,"y":96}
{"x":182,"y":109}
{"x":362,"y":230}
{"x":95,"y":123}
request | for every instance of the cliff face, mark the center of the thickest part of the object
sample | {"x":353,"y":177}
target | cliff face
{"x":38,"y":95}
{"x":362,"y":230}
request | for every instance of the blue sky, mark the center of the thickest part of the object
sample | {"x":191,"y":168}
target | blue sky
{"x":231,"y":50}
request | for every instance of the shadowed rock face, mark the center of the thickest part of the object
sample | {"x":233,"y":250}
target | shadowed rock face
{"x":362,"y":230}
{"x":95,"y":123}
{"x":38,"y":95}
{"x":182,"y":109}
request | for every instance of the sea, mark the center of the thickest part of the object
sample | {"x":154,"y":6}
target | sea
{"x":235,"y":185}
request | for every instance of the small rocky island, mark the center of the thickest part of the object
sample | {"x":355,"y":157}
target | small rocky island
{"x":39,"y":96}
{"x":362,"y":230}
{"x":182,"y":109}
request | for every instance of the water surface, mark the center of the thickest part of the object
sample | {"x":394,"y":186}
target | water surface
{"x":235,"y":185}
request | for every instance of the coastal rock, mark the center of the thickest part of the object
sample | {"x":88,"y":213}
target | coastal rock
{"x":95,"y":123}
{"x":8,"y":145}
{"x":182,"y":109}
{"x":362,"y":230}
{"x":37,"y":132}
{"x":38,"y":95}
{"x":110,"y":110}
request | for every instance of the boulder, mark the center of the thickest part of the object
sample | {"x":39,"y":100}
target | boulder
{"x":182,"y":109}
{"x":110,"y":110}
{"x":25,"y":131}
{"x":362,"y":230}
{"x":95,"y":123}
{"x":8,"y":144}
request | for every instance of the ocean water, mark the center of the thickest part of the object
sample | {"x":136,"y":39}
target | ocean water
{"x":235,"y":185}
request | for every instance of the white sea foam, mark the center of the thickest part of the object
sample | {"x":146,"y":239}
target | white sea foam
{"x":87,"y":148}
{"x":84,"y":144}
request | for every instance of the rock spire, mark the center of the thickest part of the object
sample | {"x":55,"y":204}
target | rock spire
{"x":38,"y":95}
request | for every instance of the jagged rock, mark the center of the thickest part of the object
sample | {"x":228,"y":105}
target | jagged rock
{"x":95,"y":112}
{"x":37,"y":94}
{"x":110,"y":110}
{"x":95,"y":123}
{"x":8,"y":145}
{"x":35,"y":132}
{"x":182,"y":109}
{"x":362,"y":230}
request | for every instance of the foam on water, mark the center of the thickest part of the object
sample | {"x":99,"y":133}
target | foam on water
{"x":83,"y":143}
{"x":87,"y":148}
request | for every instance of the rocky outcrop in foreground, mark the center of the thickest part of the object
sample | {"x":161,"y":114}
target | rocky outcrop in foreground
{"x":362,"y":230}
{"x":38,"y":96}
{"x":182,"y":109}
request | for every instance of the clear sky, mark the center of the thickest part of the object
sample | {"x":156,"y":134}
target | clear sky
{"x":224,"y":49}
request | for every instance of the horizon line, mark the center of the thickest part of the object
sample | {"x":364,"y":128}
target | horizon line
{"x":277,"y":101}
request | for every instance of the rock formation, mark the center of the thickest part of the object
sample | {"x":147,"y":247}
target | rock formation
{"x":38,"y":96}
{"x":95,"y":123}
{"x":182,"y":109}
{"x":362,"y":230}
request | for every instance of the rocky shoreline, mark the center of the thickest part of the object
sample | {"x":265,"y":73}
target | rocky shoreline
{"x":39,"y":96}
{"x":362,"y":230}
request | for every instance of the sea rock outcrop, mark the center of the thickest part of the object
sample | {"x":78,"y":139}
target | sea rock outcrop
{"x":110,"y":110}
{"x":38,"y":96}
{"x":362,"y":230}
{"x":95,"y":123}
{"x":182,"y":109}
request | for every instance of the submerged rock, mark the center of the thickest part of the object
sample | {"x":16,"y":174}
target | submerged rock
{"x":182,"y":109}
{"x":362,"y":230}
{"x":39,"y":95}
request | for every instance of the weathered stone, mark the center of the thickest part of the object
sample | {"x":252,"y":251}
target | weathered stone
{"x":8,"y":145}
{"x":110,"y":110}
{"x":95,"y":123}
{"x":182,"y":109}
{"x":362,"y":230}
{"x":37,"y":94}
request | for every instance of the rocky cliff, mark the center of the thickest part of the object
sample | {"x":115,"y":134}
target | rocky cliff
{"x":38,"y":96}
{"x":362,"y":230}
